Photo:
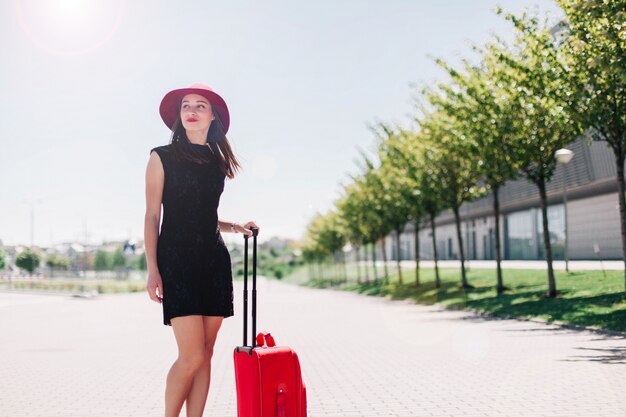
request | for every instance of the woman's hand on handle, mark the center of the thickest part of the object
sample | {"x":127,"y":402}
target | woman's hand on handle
{"x":155,"y":287}
{"x":247,"y":228}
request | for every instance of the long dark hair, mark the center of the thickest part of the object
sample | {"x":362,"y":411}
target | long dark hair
{"x":221,"y":152}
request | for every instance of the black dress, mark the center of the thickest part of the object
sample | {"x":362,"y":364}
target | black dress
{"x":192,"y":258}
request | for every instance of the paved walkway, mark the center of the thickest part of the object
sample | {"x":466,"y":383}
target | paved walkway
{"x":361,"y":356}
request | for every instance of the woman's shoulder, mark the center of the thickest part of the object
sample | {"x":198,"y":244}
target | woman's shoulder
{"x":160,"y":149}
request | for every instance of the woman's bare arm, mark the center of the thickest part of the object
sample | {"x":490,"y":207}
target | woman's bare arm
{"x":225,"y":226}
{"x":154,"y":193}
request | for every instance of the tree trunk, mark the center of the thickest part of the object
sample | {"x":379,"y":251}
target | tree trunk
{"x":339,"y":267}
{"x":345,"y":267}
{"x":459,"y":236}
{"x":358,"y":264}
{"x":436,"y":258}
{"x":417,"y":252}
{"x":400,"y":280}
{"x":365,"y":261}
{"x":621,"y":191}
{"x":385,"y":261}
{"x":373,"y":247}
{"x":496,"y":211}
{"x":546,"y":237}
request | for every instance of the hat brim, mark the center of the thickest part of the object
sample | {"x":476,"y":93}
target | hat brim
{"x":169,"y":105}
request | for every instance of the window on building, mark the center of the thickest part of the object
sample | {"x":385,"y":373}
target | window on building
{"x":556,"y":226}
{"x":524,"y":233}
{"x":521,"y":236}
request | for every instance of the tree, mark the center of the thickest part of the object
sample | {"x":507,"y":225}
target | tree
{"x":28,"y":260}
{"x":55,"y":261}
{"x":593,"y":61}
{"x":119,"y":259}
{"x":3,"y":260}
{"x":362,"y":211}
{"x":102,"y":261}
{"x":416,"y":159}
{"x":456,"y":162}
{"x":119,"y":263}
{"x":540,"y":104}
{"x":311,"y":254}
{"x":479,"y":100}
{"x":430,"y":193}
{"x":326,"y":232}
{"x":351,"y":216}
{"x":319,"y":241}
{"x":379,"y":212}
{"x":140,"y":262}
{"x":399,"y":165}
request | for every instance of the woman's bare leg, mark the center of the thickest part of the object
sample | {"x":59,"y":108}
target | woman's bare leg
{"x":189,"y":333}
{"x":196,"y":399}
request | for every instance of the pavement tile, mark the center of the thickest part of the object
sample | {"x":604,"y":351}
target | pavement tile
{"x":360,"y":356}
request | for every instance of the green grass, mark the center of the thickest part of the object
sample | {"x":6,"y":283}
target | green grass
{"x":100,"y":286}
{"x":585,"y":298}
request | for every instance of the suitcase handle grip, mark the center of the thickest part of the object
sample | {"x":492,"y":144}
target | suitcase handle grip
{"x":255,"y":232}
{"x":265,"y":339}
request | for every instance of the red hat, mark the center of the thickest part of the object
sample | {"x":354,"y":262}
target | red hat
{"x":169,"y":107}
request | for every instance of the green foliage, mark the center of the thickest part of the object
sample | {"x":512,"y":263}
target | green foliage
{"x":454,"y":158}
{"x":594,"y":60}
{"x":543,"y":98}
{"x":479,"y":99}
{"x":102,"y":261}
{"x":58,"y":261}
{"x":28,"y":260}
{"x":325,"y":235}
{"x":139,"y":262}
{"x":3,"y":260}
{"x":119,"y":259}
{"x":274,"y":262}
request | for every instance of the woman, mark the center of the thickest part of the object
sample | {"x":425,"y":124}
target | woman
{"x":189,"y":269}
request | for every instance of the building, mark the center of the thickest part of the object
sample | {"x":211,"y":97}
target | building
{"x":593,"y":222}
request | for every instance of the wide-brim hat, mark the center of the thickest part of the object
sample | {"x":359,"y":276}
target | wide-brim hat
{"x":169,"y":107}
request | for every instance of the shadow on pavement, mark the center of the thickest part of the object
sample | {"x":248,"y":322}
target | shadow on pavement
{"x":609,"y":356}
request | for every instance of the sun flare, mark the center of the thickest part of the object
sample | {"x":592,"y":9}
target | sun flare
{"x":69,"y":27}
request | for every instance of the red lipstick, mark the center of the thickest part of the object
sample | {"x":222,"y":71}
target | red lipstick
{"x":191,"y":119}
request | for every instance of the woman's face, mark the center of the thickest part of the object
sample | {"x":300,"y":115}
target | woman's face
{"x":196,"y":113}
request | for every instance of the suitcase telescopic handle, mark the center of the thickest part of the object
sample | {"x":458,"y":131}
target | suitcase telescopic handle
{"x":255,"y":232}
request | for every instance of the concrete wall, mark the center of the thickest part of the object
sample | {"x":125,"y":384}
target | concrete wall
{"x":592,"y":221}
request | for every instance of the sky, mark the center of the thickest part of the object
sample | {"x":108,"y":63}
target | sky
{"x":81,"y":82}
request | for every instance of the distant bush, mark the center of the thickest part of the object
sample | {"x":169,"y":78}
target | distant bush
{"x":3,"y":260}
{"x":28,"y":260}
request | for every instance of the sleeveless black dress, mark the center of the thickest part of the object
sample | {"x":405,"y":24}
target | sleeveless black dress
{"x":192,"y":258}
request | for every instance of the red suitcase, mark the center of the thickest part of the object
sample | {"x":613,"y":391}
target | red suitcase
{"x":268,"y":377}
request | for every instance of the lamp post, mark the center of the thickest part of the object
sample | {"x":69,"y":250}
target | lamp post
{"x":31,"y":203}
{"x":564,"y":156}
